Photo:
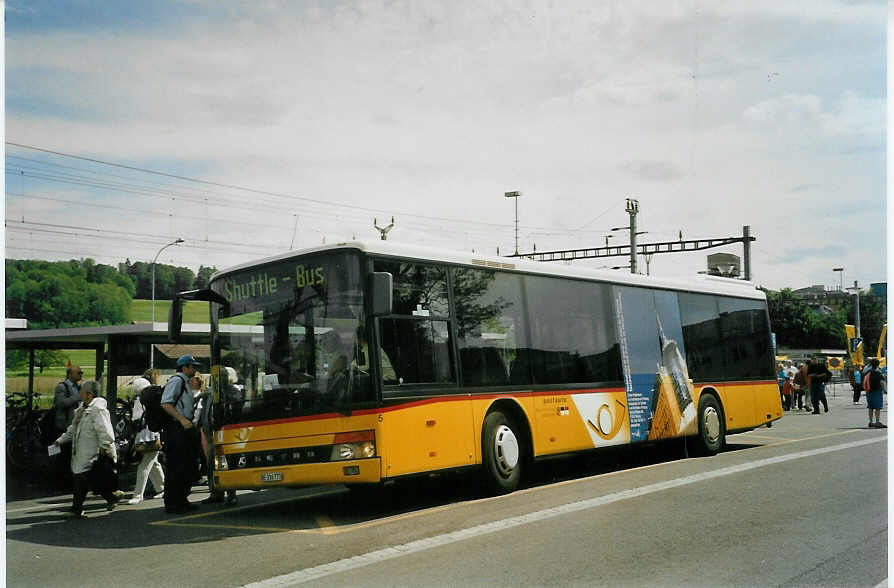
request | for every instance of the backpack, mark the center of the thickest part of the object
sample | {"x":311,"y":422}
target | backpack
{"x":154,"y":416}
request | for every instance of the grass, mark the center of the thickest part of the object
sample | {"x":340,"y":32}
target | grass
{"x":194,"y":311}
{"x":141,"y":311}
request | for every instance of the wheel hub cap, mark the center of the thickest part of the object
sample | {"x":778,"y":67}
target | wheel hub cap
{"x":712,"y":424}
{"x":506,"y":450}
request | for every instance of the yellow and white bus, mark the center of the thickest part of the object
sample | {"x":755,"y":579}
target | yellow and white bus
{"x":359,"y":363}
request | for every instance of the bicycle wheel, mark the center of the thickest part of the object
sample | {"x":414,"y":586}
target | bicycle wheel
{"x":20,"y":448}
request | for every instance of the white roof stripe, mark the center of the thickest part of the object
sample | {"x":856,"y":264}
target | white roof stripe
{"x":699,"y":283}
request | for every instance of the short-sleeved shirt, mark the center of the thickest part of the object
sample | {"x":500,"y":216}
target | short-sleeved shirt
{"x":173,"y":388}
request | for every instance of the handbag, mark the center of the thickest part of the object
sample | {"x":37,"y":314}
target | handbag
{"x":104,"y":473}
{"x":147,"y":446}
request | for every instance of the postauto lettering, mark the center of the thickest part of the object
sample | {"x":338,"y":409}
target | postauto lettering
{"x":264,"y":284}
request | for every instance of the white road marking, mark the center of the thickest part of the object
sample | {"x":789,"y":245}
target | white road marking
{"x":321,"y":571}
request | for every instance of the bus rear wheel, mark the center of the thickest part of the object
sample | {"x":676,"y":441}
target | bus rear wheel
{"x":711,"y":428}
{"x":502,"y":453}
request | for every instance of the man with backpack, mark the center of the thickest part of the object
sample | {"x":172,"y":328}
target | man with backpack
{"x":65,"y":400}
{"x":819,"y":374}
{"x":181,"y":438}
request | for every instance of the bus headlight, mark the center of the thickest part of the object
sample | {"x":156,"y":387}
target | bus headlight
{"x":358,"y":445}
{"x":220,"y":463}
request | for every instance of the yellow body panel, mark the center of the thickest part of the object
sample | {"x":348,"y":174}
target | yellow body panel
{"x":738,"y":404}
{"x":445,"y":432}
{"x":301,"y":475}
{"x":428,"y":436}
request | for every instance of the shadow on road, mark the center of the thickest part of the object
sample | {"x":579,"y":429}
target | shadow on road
{"x":302,"y":510}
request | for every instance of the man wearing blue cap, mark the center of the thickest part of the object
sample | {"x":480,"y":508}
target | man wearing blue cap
{"x":181,"y":438}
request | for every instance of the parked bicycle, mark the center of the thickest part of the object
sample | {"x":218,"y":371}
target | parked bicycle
{"x":23,"y":433}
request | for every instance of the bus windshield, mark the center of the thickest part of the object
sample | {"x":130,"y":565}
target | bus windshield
{"x":290,"y":342}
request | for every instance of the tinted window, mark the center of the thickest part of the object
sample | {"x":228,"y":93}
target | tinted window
{"x":490,"y":331}
{"x":746,"y":344}
{"x":415,"y":352}
{"x":419,"y":290}
{"x":572,"y":332}
{"x":702,"y":336}
{"x":416,"y":346}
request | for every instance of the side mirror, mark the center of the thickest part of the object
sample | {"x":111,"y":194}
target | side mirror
{"x":175,"y":314}
{"x":175,"y":319}
{"x":380,"y":284}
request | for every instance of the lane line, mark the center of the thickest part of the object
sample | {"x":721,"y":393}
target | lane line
{"x":417,"y":513}
{"x":329,"y":569}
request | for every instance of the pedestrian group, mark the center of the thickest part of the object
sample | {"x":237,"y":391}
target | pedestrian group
{"x":804,"y":387}
{"x":88,"y":453}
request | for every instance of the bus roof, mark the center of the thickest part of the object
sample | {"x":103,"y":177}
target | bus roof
{"x":700,"y":283}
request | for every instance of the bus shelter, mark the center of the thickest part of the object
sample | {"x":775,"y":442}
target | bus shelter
{"x":121,"y":352}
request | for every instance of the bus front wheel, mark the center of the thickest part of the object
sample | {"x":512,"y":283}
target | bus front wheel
{"x":711,"y":428}
{"x":502,"y":452}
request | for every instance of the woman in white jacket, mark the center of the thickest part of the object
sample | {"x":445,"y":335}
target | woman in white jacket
{"x":90,"y":435}
{"x":148,"y":445}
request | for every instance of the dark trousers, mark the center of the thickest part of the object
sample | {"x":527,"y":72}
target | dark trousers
{"x":63,"y":467}
{"x":95,"y":479}
{"x":818,"y":395}
{"x":858,"y":389}
{"x":180,"y":447}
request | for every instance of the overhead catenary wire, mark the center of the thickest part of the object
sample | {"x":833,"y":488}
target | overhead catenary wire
{"x":290,"y":197}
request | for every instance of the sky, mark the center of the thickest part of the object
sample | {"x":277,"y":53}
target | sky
{"x":249,"y":129}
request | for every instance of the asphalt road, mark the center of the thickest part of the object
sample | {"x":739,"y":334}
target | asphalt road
{"x":801,"y":504}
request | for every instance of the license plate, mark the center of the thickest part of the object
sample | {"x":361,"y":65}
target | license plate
{"x":271,"y":477}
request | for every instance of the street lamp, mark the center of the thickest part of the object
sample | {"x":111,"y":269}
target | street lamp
{"x":515,"y":195}
{"x":840,"y":271}
{"x":856,"y":291}
{"x":151,"y":345}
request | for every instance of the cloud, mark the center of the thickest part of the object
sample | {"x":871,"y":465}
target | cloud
{"x":852,"y":114}
{"x":653,"y":171}
{"x":436,"y":109}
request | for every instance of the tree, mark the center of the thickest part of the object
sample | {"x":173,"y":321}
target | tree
{"x":17,"y":359}
{"x":789,"y":319}
{"x":203,"y":277}
{"x":873,"y":316}
{"x":66,"y":293}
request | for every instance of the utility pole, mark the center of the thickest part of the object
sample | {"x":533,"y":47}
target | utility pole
{"x":516,"y":194}
{"x":632,"y":208}
{"x":746,"y":253}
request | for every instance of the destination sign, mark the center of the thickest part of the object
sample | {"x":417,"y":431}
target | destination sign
{"x":270,"y":280}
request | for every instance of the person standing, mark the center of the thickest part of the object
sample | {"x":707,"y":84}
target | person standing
{"x":875,"y":397}
{"x":91,"y":437}
{"x":856,"y":379}
{"x":819,"y":374}
{"x":148,"y":445}
{"x":65,"y":401}
{"x":781,"y":377}
{"x":799,"y":384}
{"x":180,"y":437}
